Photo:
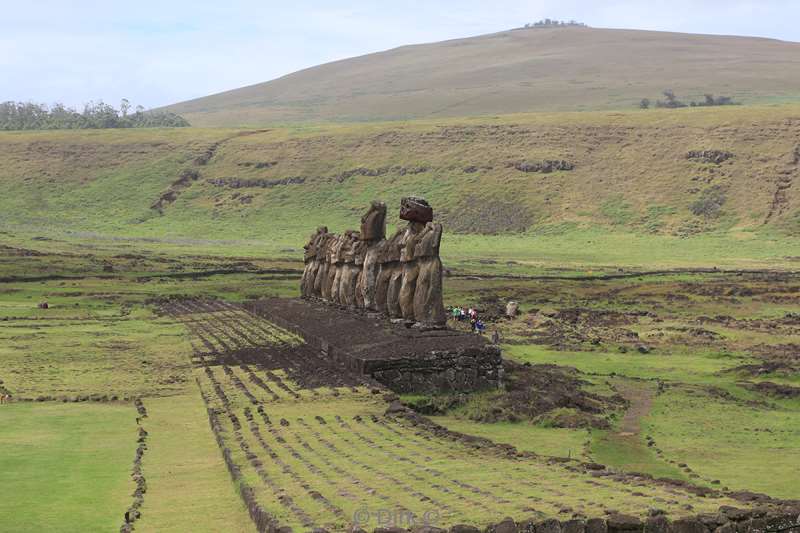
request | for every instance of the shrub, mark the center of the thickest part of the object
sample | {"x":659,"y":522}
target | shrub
{"x":710,"y":202}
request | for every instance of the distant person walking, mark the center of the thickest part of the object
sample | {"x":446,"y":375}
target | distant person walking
{"x":495,"y":337}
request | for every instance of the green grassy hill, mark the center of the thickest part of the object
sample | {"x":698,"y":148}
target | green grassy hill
{"x":635,"y":193}
{"x":538,"y":69}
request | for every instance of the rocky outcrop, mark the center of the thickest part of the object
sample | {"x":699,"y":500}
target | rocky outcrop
{"x":400,"y":276}
{"x":545,"y":167}
{"x":709,"y":156}
{"x":239,"y":183}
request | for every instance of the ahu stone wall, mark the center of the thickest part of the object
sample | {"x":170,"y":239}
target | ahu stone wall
{"x":400,"y":276}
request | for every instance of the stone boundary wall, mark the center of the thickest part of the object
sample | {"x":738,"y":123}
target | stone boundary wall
{"x":727,"y":520}
{"x":460,"y":370}
{"x":137,"y":474}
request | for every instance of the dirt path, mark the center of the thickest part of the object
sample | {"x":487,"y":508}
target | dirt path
{"x":626,"y":448}
{"x":640,"y":396}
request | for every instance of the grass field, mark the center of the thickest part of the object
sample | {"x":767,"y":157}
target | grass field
{"x":103,"y":342}
{"x":65,"y":467}
{"x":680,"y":329}
{"x":187,"y":481}
{"x":704,"y":412}
{"x":627,"y":202}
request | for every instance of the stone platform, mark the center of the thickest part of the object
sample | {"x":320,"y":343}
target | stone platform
{"x":402,"y":358}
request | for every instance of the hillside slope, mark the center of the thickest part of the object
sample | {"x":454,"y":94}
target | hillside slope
{"x":521,"y":178}
{"x":538,"y":69}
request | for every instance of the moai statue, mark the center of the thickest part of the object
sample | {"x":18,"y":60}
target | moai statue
{"x":373,"y":223}
{"x":402,"y":283}
{"x":400,"y":276}
{"x":334,"y":253}
{"x":323,"y":282}
{"x":428,"y":305}
{"x":373,"y":233}
{"x":390,"y":276}
{"x":382,"y":251}
{"x":349,"y":271}
{"x":415,"y":209}
{"x":321,"y":274}
{"x":312,"y":261}
{"x":417,"y":212}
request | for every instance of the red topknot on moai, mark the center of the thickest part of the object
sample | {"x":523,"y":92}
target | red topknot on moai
{"x":400,"y":276}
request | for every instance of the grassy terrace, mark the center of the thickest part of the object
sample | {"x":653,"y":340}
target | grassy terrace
{"x":627,"y":203}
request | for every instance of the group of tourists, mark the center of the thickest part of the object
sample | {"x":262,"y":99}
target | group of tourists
{"x":470,"y":314}
{"x":460,"y":314}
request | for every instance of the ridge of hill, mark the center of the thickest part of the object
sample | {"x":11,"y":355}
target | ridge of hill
{"x":521,"y":70}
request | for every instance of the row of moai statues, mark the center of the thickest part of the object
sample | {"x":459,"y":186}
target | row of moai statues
{"x":400,"y":276}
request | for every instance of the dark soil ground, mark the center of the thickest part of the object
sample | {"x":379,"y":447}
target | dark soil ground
{"x":301,"y":362}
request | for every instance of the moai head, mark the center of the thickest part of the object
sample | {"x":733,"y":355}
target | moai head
{"x":415,"y":209}
{"x":373,"y":223}
{"x":324,"y":249}
{"x":339,"y":242}
{"x":351,"y":239}
{"x":314,"y":244}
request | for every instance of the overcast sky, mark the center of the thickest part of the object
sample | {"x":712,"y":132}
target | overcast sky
{"x":161,"y":52}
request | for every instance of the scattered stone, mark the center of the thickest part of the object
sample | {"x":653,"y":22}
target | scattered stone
{"x":545,"y":167}
{"x":709,"y":156}
{"x":506,"y":526}
{"x":464,"y":528}
{"x":596,"y":525}
{"x":427,"y":529}
{"x":512,"y":309}
{"x":621,"y":522}
{"x":395,"y":407}
{"x":734,"y":513}
{"x":573,"y":526}
{"x":688,"y":525}
{"x":549,"y":526}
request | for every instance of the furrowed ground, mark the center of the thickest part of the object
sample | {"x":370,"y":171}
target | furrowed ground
{"x":229,"y":393}
{"x":326,"y":456}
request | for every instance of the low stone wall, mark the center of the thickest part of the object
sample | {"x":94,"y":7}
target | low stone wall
{"x":441,"y":371}
{"x":727,"y":520}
